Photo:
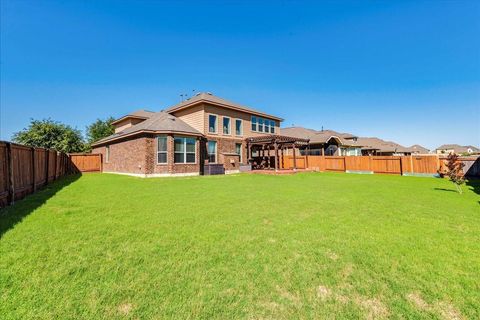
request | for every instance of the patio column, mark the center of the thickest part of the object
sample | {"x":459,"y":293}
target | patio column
{"x":294,"y":159}
{"x":276,"y":158}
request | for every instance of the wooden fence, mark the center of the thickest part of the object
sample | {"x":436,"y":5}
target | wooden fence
{"x":24,"y":169}
{"x":402,"y":165}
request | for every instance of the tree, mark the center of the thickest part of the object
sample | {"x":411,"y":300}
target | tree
{"x":50,"y":134}
{"x":99,"y":129}
{"x":455,"y":173}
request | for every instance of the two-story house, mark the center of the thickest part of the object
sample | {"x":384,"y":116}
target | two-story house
{"x":182,"y":139}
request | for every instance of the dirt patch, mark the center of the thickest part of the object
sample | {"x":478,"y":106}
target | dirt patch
{"x":417,"y":300}
{"x":125,"y":308}
{"x":374,"y":308}
{"x":347,"y":271}
{"x":445,"y":309}
{"x":448,"y":311}
{"x":323,"y":292}
{"x":293,"y":298}
{"x":332,"y":256}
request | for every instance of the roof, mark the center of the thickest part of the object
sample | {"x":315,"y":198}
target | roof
{"x":416,"y":148}
{"x":156,"y":123}
{"x":138,"y":114}
{"x":272,"y":138}
{"x":212,"y":99}
{"x":458,"y":148}
{"x":316,"y":136}
{"x":373,"y":143}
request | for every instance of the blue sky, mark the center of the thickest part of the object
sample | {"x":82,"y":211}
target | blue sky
{"x":404,"y":71}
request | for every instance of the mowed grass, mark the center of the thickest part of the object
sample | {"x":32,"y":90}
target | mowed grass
{"x":313,"y":245}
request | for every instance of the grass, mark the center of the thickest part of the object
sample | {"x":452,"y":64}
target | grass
{"x":312,"y":245}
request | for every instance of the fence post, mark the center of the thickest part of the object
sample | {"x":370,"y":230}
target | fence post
{"x":55,"y":171}
{"x":34,"y":174}
{"x":11,"y":186}
{"x":344,"y":164}
{"x":47,"y":156}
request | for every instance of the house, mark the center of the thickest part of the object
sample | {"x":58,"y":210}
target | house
{"x":188,"y":138}
{"x":455,"y":148}
{"x":325,"y":142}
{"x":333,"y":143}
{"x":418,"y":149}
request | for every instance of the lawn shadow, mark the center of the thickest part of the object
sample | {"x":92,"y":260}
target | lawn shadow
{"x":443,"y":189}
{"x":11,"y":215}
{"x":474,"y":185}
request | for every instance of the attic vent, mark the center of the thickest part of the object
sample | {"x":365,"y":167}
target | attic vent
{"x":209,"y":93}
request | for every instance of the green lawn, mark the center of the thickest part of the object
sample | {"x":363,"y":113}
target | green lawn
{"x":314,"y":245}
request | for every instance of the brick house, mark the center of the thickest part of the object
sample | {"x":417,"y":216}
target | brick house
{"x":185,"y":139}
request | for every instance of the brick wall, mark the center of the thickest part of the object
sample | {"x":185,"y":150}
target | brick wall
{"x":128,"y":156}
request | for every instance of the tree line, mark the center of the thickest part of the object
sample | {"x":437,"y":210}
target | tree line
{"x":51,"y":134}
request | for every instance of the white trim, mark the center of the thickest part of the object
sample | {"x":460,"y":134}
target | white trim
{"x":107,"y":153}
{"x":216,"y":152}
{"x":155,"y":175}
{"x":216,"y":123}
{"x":241,"y":127}
{"x":229,"y":126}
{"x":185,"y":151}
{"x":166,"y":151}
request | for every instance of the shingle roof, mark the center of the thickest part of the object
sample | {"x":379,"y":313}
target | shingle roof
{"x":373,"y":143}
{"x":317,"y":136}
{"x":210,"y":98}
{"x":158,"y":122}
{"x":416,"y":148}
{"x":458,"y":148}
{"x":137,"y":114}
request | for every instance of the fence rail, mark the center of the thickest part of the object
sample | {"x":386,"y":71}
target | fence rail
{"x":402,"y":165}
{"x":25,"y":169}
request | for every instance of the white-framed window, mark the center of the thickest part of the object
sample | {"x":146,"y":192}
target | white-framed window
{"x":185,"y":150}
{"x":212,"y":123}
{"x":238,"y":150}
{"x":260,"y":125}
{"x":212,"y":151}
{"x":272,"y":126}
{"x":267,"y":126}
{"x":161,"y":149}
{"x":226,"y":125}
{"x":107,"y":154}
{"x":238,"y":127}
{"x":254,"y":123}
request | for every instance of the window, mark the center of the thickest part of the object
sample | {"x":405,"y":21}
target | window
{"x":107,"y":154}
{"x":238,"y":150}
{"x":184,"y":150}
{"x":162,"y":150}
{"x":226,"y":125}
{"x":272,"y":126}
{"x":238,"y":127}
{"x":260,"y":125}
{"x":254,"y":123}
{"x":212,"y":123}
{"x":267,"y":126}
{"x":212,"y":151}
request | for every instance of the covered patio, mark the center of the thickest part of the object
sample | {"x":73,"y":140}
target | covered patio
{"x":267,"y":152}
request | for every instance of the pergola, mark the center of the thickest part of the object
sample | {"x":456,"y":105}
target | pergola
{"x":276,"y":142}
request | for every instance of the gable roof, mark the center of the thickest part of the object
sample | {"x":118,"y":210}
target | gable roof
{"x":418,"y":148}
{"x":457,"y":148}
{"x":159,"y":122}
{"x":209,"y":98}
{"x":317,"y":136}
{"x":138,"y":114}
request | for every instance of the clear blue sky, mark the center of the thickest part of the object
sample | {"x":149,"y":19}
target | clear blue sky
{"x":405,"y":71}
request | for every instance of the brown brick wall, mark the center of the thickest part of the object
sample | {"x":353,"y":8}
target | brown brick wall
{"x":128,"y":156}
{"x":225,"y":151}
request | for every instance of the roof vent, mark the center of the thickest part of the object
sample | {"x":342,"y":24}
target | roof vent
{"x":209,"y":93}
{"x":198,"y":94}
{"x":171,"y":118}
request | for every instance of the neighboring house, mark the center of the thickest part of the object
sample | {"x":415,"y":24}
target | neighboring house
{"x":325,"y":142}
{"x":418,"y":149}
{"x":181,"y":139}
{"x":455,"y":148}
